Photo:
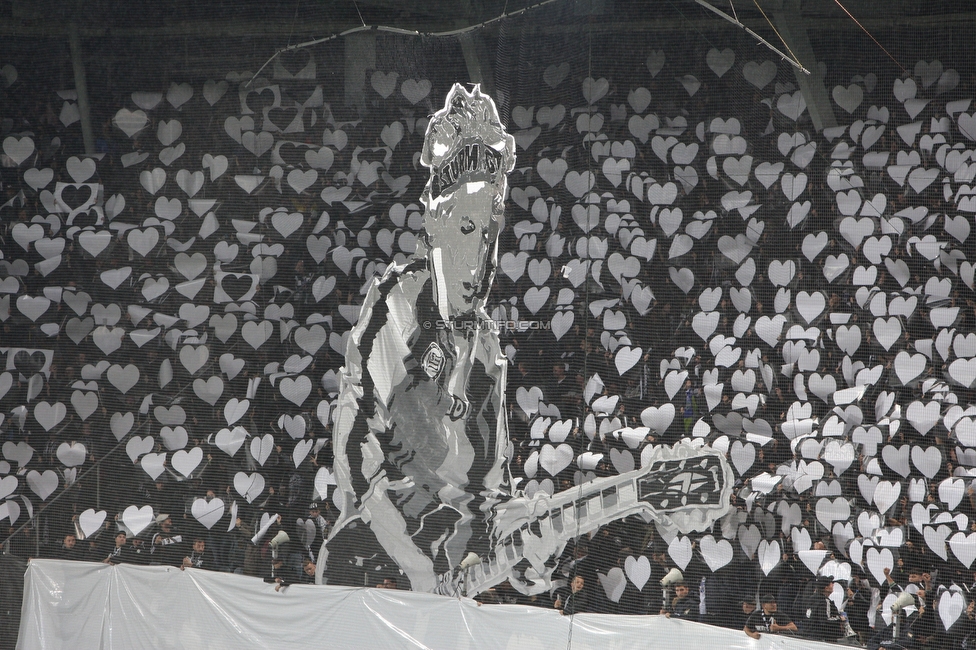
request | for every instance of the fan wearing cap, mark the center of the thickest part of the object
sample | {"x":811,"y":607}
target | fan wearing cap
{"x":768,"y":619}
{"x":311,"y":544}
{"x":321,"y":523}
{"x":126,"y":550}
{"x":738,"y":618}
{"x":821,"y":619}
{"x":420,"y":433}
{"x":166,"y":543}
{"x":116,"y":551}
{"x":136,"y":552}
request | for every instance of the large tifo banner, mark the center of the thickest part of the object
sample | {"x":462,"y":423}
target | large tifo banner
{"x":85,"y":605}
{"x":644,"y":300}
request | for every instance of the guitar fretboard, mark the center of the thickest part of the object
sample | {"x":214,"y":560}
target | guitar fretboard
{"x":536,"y":528}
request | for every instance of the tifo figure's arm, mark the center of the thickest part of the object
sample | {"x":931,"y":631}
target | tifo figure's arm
{"x":354,"y":407}
{"x":381,"y":354}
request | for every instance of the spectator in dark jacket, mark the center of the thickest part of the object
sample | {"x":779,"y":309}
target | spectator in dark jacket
{"x":821,"y":618}
{"x":575,"y":602}
{"x":768,"y":620}
{"x":198,"y":558}
{"x":682,"y":605}
{"x":166,"y":543}
{"x":739,"y":617}
{"x":69,"y":549}
{"x":114,"y":555}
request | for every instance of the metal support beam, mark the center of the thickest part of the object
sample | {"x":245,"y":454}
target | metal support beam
{"x":81,"y":87}
{"x":477,"y":61}
{"x":473,"y":48}
{"x":360,"y":57}
{"x":787,"y":15}
{"x":245,"y":28}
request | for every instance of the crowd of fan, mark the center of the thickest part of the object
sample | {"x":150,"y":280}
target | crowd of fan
{"x":174,"y":538}
{"x":790,"y":600}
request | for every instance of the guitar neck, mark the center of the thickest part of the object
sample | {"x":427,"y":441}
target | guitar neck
{"x":685,"y":488}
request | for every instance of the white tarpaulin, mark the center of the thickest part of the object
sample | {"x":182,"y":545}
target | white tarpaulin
{"x":84,"y":605}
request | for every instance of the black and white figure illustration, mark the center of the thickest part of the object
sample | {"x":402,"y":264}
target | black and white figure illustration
{"x":421,"y":435}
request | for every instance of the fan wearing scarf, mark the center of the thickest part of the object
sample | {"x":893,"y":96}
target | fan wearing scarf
{"x":421,"y":438}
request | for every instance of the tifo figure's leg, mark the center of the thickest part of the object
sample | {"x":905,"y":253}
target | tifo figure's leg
{"x":353,"y":558}
{"x":391,"y":532}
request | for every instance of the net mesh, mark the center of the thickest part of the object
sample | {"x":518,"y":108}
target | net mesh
{"x":678,"y":213}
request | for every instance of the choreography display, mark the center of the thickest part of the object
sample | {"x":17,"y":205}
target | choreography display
{"x":421,"y":437}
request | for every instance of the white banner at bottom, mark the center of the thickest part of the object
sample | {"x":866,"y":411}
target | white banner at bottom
{"x":84,"y":605}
